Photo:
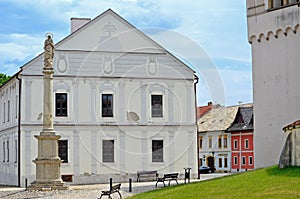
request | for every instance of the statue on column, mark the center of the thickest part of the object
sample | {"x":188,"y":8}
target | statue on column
{"x":49,"y":52}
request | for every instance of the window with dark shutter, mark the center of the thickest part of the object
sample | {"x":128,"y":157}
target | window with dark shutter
{"x":108,"y":150}
{"x":107,"y":105}
{"x":61,"y":104}
{"x":63,"y":150}
{"x":157,"y":151}
{"x":157,"y":105}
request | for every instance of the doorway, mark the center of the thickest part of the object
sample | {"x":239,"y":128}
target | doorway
{"x":211,"y":163}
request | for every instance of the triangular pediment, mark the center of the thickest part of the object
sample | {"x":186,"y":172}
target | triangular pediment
{"x":109,"y":33}
{"x":110,"y":46}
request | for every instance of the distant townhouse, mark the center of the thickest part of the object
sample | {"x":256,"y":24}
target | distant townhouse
{"x":213,"y":141}
{"x":242,"y":148}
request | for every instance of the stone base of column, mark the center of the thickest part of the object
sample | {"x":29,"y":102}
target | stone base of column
{"x":47,"y":186}
{"x":48,"y":171}
{"x":48,"y":175}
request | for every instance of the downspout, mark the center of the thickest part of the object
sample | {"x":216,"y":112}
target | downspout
{"x":19,"y":131}
{"x":195,"y":91}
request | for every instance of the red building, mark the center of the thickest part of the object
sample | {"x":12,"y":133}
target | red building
{"x":242,"y":156}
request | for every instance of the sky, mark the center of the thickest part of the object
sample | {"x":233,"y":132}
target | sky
{"x":216,"y":29}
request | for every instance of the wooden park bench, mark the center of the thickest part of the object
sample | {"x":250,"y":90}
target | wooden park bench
{"x":146,"y":174}
{"x":169,"y":177}
{"x":114,"y":189}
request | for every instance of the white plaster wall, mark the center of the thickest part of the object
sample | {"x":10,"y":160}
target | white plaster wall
{"x":9,"y":169}
{"x":275,"y":79}
{"x":9,"y":94}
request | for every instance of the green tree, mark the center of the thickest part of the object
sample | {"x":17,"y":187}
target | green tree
{"x":3,"y":78}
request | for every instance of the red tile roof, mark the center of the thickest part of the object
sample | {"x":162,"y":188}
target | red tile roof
{"x":201,"y":110}
{"x":296,"y":123}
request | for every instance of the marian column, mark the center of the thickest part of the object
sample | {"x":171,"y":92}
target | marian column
{"x":48,"y":171}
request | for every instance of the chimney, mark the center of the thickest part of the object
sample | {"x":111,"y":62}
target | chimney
{"x":77,"y":23}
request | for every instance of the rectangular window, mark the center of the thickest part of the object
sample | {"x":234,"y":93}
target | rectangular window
{"x":8,"y":110}
{"x":246,"y":144}
{"x":225,"y":163}
{"x":220,"y":162}
{"x":210,"y":142}
{"x":16,"y":151}
{"x":235,"y":144}
{"x":200,"y":162}
{"x":225,"y":142}
{"x":17,"y":102}
{"x":200,"y":142}
{"x":156,"y":105}
{"x":61,"y":105}
{"x":157,"y":151}
{"x":4,"y":112}
{"x":63,"y":150}
{"x":4,"y":152}
{"x":235,"y":160}
{"x":220,"y":142}
{"x":250,"y":160}
{"x":108,"y":150}
{"x":7,"y":147}
{"x":107,"y":105}
{"x":243,"y":160}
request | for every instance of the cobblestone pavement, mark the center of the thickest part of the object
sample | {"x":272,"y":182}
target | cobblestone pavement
{"x":89,"y":191}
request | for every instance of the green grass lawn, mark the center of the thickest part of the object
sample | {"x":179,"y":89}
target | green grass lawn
{"x":263,"y":183}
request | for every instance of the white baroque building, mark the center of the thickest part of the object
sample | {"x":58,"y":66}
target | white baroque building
{"x":122,"y":104}
{"x":273,"y":32}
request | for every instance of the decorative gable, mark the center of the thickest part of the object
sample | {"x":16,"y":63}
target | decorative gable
{"x":109,"y":33}
{"x":109,"y":46}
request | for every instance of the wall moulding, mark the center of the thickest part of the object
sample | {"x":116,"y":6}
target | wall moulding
{"x":276,"y":34}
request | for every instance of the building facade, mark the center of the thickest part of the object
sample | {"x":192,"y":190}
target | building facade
{"x":213,"y":142}
{"x":122,"y":104}
{"x":242,"y":148}
{"x":273,"y":32}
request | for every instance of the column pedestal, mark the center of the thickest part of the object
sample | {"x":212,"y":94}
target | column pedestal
{"x":48,"y":175}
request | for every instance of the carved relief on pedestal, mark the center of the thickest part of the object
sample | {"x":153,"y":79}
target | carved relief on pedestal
{"x":48,"y":119}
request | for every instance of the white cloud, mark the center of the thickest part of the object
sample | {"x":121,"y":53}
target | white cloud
{"x":16,"y":50}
